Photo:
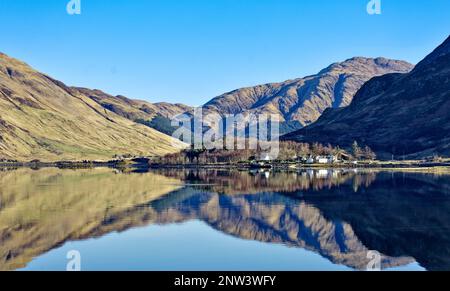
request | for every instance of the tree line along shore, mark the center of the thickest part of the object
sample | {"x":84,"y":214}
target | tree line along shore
{"x":290,"y":155}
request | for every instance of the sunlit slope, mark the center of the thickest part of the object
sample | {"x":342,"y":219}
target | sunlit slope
{"x":42,"y":209}
{"x":303,"y":100}
{"x":41,"y":118}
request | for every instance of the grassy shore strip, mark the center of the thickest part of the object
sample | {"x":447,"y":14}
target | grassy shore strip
{"x":67,"y":165}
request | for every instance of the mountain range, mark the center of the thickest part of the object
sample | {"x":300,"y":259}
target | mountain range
{"x":297,"y":102}
{"x":395,"y":114}
{"x":302,"y":101}
{"x":389,"y":105}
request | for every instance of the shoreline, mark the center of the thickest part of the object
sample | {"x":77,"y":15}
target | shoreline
{"x":145,"y":164}
{"x":374,"y":165}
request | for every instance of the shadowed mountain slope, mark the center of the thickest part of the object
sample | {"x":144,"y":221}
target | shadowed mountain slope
{"x":400,"y":114}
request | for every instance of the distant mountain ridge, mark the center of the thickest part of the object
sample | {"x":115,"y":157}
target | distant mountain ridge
{"x":154,"y":115}
{"x":303,"y":100}
{"x":297,"y":102}
{"x":133,"y":109}
{"x":396,"y":114}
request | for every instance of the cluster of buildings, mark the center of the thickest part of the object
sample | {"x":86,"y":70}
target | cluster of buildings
{"x":330,"y":159}
{"x":309,"y":160}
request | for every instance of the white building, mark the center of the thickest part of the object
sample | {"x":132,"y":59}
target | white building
{"x":267,"y":158}
{"x":322,"y":160}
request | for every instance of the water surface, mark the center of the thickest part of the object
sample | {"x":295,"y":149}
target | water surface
{"x":223,"y":220}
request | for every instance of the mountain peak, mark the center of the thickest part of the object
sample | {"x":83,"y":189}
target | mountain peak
{"x":366,"y":65}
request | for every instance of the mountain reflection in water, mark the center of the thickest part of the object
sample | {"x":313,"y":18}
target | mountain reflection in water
{"x":338,"y":214}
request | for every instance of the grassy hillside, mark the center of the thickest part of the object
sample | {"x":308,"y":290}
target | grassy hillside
{"x":41,"y":118}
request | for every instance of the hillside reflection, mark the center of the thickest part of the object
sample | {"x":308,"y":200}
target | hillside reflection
{"x":340,"y":215}
{"x":257,"y":181}
{"x":40,"y":210}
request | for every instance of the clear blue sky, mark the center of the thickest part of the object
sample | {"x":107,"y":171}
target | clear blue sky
{"x":192,"y":50}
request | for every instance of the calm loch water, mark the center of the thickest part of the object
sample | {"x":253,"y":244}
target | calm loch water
{"x":223,"y":220}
